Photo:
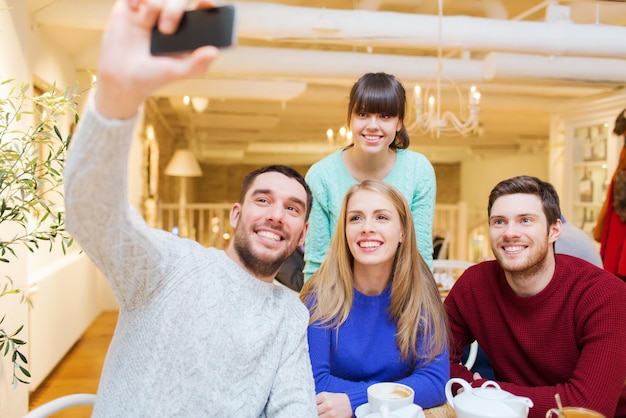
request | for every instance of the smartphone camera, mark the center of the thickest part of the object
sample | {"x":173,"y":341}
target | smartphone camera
{"x":197,"y":28}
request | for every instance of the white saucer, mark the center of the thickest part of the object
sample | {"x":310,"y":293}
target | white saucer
{"x":409,"y":411}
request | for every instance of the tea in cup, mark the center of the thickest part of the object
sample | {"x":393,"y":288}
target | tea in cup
{"x":573,"y":412}
{"x":389,"y":396}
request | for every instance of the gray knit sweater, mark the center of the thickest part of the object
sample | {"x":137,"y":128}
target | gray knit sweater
{"x":197,"y":336}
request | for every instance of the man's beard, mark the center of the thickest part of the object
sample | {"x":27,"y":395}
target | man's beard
{"x":254,"y":264}
{"x":533,"y":263}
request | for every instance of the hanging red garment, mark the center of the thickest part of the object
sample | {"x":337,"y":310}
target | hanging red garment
{"x":610,"y":231}
{"x":613,"y":241}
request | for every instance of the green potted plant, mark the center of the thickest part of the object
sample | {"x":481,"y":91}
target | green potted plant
{"x":32,"y":156}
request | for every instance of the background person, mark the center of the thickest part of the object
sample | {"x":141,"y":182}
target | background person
{"x":290,"y":273}
{"x":379,"y":151}
{"x":574,"y":241}
{"x":610,"y":230}
{"x":201,"y":332}
{"x":376,"y":313}
{"x":548,"y":323}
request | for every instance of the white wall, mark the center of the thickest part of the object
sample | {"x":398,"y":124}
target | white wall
{"x":479,"y":176}
{"x":65,"y":303}
{"x":13,"y":24}
{"x":13,"y":402}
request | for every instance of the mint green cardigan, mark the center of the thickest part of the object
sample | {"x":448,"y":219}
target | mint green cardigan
{"x":329,"y":180}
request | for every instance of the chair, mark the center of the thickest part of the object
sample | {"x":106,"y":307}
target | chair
{"x":447,"y":271}
{"x":440,"y":246}
{"x":437,"y":244}
{"x":471,"y":357}
{"x":59,"y":404}
{"x":451,"y":264}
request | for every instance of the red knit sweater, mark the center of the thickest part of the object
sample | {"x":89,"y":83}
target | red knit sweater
{"x":569,"y":339}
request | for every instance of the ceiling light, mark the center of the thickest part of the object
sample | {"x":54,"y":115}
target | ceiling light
{"x":199,"y":104}
{"x":183,"y":164}
{"x":428,"y":114}
{"x":344,"y":136}
{"x":150,"y":133}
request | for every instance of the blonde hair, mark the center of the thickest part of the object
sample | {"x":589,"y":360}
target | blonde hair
{"x":416,"y":305}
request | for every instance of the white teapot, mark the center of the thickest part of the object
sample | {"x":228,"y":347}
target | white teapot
{"x":487,"y":401}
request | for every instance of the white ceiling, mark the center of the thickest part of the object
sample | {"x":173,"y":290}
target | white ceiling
{"x":274,"y":95}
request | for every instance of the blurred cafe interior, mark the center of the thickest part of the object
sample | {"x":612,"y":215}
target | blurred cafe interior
{"x":495,"y":88}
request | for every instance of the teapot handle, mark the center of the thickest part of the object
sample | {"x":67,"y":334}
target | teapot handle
{"x":449,"y":394}
{"x":491,"y":383}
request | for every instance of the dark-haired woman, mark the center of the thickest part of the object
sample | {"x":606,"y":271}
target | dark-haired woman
{"x":378,"y":151}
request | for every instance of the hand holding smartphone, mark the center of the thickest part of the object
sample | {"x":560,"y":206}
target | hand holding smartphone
{"x":197,"y":28}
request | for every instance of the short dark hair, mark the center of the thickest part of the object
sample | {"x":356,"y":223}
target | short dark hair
{"x":381,"y":93}
{"x":284,"y":170}
{"x":529,"y":185}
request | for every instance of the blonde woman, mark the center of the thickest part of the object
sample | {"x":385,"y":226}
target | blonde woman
{"x":376,"y":313}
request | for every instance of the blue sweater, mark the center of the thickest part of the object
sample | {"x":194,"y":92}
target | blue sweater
{"x":412,"y":174}
{"x":363,"y":351}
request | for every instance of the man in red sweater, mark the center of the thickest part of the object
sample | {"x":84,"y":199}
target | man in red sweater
{"x":548,"y":323}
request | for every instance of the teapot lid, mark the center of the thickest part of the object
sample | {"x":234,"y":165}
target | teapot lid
{"x":492,"y":394}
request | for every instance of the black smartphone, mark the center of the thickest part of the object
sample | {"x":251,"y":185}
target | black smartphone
{"x":197,"y":28}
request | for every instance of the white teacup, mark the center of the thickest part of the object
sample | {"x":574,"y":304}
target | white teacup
{"x":389,"y":396}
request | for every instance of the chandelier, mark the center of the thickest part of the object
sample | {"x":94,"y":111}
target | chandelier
{"x":343,"y":136}
{"x":428,"y":115}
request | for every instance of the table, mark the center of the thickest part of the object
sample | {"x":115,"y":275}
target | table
{"x":443,"y":411}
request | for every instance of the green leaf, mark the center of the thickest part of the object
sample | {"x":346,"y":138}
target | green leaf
{"x":58,"y":133}
{"x":18,"y":331}
{"x":32,"y":159}
{"x":25,"y":372}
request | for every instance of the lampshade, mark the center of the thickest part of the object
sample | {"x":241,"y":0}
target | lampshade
{"x":183,"y":164}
